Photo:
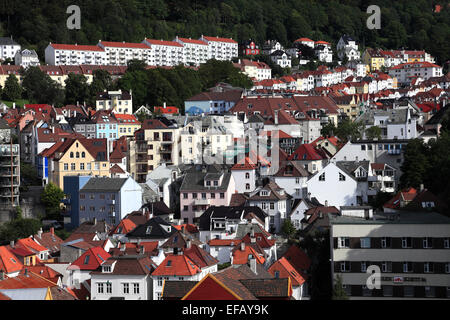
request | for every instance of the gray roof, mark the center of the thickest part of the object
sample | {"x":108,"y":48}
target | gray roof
{"x":350,"y":166}
{"x":104,"y":184}
{"x":7,"y":41}
{"x":195,"y":181}
{"x":244,"y":229}
{"x":395,"y":116}
{"x":403,"y":217}
{"x":25,"y":293}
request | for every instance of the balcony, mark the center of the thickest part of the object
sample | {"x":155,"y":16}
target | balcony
{"x":394,"y":151}
{"x":202,"y":202}
{"x":66,"y":201}
{"x":111,"y":201}
{"x":165,"y":150}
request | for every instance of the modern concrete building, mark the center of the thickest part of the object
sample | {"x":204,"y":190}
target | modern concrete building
{"x":411,"y":250}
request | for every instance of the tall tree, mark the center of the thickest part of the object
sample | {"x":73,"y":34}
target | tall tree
{"x":12,"y":90}
{"x":77,"y":89}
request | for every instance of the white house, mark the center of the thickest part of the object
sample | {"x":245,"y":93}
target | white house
{"x":406,"y":72}
{"x":26,"y":58}
{"x":299,"y":208}
{"x":68,"y":54}
{"x":292,"y":178}
{"x":221,"y":48}
{"x":244,"y":174}
{"x":346,"y":46}
{"x":281,"y":58}
{"x":8,"y":48}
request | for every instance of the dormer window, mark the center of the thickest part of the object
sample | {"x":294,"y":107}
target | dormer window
{"x":216,"y":183}
{"x":149,"y":230}
{"x":107,"y":269}
{"x":264,"y":193}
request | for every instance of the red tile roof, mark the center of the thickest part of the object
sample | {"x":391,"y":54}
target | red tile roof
{"x":126,"y":118}
{"x":90,"y":260}
{"x":124,"y":45}
{"x":125,"y":226}
{"x":217,"y":39}
{"x":163,"y":43}
{"x":286,"y":270}
{"x":8,"y":261}
{"x":307,"y":152}
{"x":244,"y":164}
{"x":191,"y":228}
{"x":224,"y":242}
{"x":404,"y":195}
{"x":192,"y":41}
{"x":31,"y":280}
{"x":304,"y":40}
{"x":203,"y":289}
{"x":297,"y":258}
{"x":176,"y":265}
{"x":242,"y":256}
{"x":75,"y":47}
{"x":32,"y":245}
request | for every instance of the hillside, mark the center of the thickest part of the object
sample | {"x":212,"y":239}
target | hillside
{"x":409,"y":24}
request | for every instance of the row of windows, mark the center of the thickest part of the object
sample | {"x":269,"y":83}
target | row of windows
{"x":101,"y":209}
{"x":124,"y":130}
{"x":386,"y":242}
{"x":403,"y":291}
{"x":322,"y":177}
{"x":82,"y":166}
{"x":386,"y":266}
{"x":101,"y":196}
{"x":125,"y":287}
{"x":203,"y":195}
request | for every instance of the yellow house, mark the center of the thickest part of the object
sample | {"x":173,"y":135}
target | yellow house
{"x":77,"y":156}
{"x":127,"y":124}
{"x":373,"y":58}
{"x":348,"y":104}
{"x":7,"y":70}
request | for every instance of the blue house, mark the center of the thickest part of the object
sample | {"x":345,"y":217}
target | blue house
{"x":72,"y":186}
{"x":106,"y":126}
{"x":108,"y":199}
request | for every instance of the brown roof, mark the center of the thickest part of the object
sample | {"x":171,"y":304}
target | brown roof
{"x":291,"y":169}
{"x":61,"y":294}
{"x":130,"y":265}
{"x":175,"y":290}
{"x":273,"y":195}
{"x":49,"y":240}
{"x":268,"y":288}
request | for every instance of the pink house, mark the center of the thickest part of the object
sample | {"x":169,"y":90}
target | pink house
{"x":204,"y":188}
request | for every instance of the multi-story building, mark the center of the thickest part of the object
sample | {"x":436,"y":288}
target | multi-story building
{"x":410,"y":250}
{"x":8,"y":48}
{"x":322,"y":50}
{"x":101,"y":198}
{"x":281,"y":58}
{"x":195,"y":51}
{"x":203,"y":188}
{"x":221,"y":48}
{"x":374,"y":58}
{"x":255,"y":69}
{"x":78,"y":156}
{"x":69,"y":54}
{"x":118,"y":101}
{"x":347,"y":47}
{"x":250,"y":48}
{"x":26,"y":58}
{"x":119,"y":53}
{"x":406,"y":72}
{"x":106,"y":126}
{"x":166,"y":53}
{"x":127,"y":124}
{"x":9,"y":167}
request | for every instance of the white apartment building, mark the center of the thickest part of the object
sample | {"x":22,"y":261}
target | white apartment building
{"x":408,"y":71}
{"x":119,"y":53}
{"x":166,"y":53}
{"x":221,"y":48}
{"x":8,"y":48}
{"x":195,"y":51}
{"x":68,"y":54}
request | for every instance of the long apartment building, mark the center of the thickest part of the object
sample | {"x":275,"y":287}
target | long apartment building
{"x":155,"y":143}
{"x":154,"y":52}
{"x":411,"y":249}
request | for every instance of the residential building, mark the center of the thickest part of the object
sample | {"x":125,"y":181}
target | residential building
{"x":406,"y":72}
{"x":374,"y":58}
{"x":119,"y":53}
{"x":80,"y":269}
{"x":118,"y":101}
{"x":244,"y":175}
{"x":292,"y":178}
{"x":154,"y":229}
{"x":250,"y":48}
{"x":254,"y":69}
{"x":282,"y":269}
{"x":299,"y":208}
{"x":410,"y":249}
{"x":68,"y":54}
{"x":26,"y":58}
{"x":281,"y":58}
{"x":221,"y":48}
{"x":9,"y":168}
{"x":347,"y":47}
{"x":8,"y":48}
{"x":195,"y":52}
{"x":124,"y":277}
{"x":10,"y":265}
{"x":166,"y":53}
{"x":203,"y":188}
{"x":106,"y":126}
{"x":213,"y":102}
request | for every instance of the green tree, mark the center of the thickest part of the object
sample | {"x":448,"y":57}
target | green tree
{"x":12,"y":90}
{"x":19,"y":228}
{"x":338,"y":290}
{"x":415,"y":165}
{"x":288,"y":228}
{"x":51,"y":199}
{"x":349,"y":130}
{"x":77,"y":89}
{"x":328,"y":130}
{"x":373,"y":132}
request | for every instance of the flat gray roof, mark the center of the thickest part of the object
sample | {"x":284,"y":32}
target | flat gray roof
{"x":404,"y":217}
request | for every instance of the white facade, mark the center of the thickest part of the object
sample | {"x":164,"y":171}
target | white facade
{"x":119,"y":53}
{"x":244,"y":180}
{"x":130,"y":287}
{"x":26,"y":58}
{"x":221,"y":48}
{"x":8,"y":48}
{"x":158,"y":283}
{"x":65,"y":54}
{"x":281,"y":58}
{"x":293,"y":186}
{"x":195,"y":52}
{"x":408,"y":71}
{"x":333,"y":185}
{"x":166,"y":53}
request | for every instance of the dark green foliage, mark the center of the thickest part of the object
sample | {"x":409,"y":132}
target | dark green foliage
{"x":12,"y":90}
{"x":288,"y":228}
{"x":338,"y":291}
{"x":409,"y":24}
{"x":19,"y":228}
{"x":373,"y":132}
{"x":40,"y":88}
{"x":51,"y":199}
{"x":77,"y":89}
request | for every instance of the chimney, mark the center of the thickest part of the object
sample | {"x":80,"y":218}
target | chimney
{"x":40,"y":233}
{"x":326,"y":203}
{"x":188,"y":244}
{"x":11,"y":243}
{"x":14,"y":105}
{"x":2,"y":275}
{"x":164,"y":105}
{"x":421,"y":187}
{"x":52,"y":230}
{"x":242,"y":246}
{"x":276,"y":117}
{"x":95,"y":221}
{"x":252,"y":261}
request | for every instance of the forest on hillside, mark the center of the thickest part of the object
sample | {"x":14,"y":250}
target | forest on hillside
{"x":408,"y":24}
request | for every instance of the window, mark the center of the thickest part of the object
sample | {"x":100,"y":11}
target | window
{"x":447,"y":267}
{"x":82,"y":208}
{"x":427,"y":243}
{"x":386,"y":266}
{"x":408,"y":291}
{"x":203,"y":195}
{"x":363,"y":266}
{"x":387,"y":291}
{"x":345,"y":266}
{"x":158,"y":296}
{"x":344,"y":242}
{"x":322,"y":177}
{"x":429,"y":292}
{"x":385,"y":242}
{"x":365,"y":242}
{"x":83,"y":154}
{"x":81,"y":166}
{"x":194,"y":195}
{"x":341,"y":177}
{"x":222,"y":195}
{"x":247,"y":175}
{"x":126,"y":288}
{"x":213,"y":195}
{"x":247,"y":186}
{"x":446,"y":243}
{"x":428,"y":267}
{"x":160,"y":282}
{"x":185,"y":208}
{"x":272,"y":206}
{"x":66,"y":166}
{"x":363,"y":147}
{"x":185,"y":195}
{"x":366,"y":291}
{"x":71,"y":154}
{"x":72,"y":166}
{"x":407,"y":266}
{"x":99,"y":287}
{"x":297,"y":180}
{"x":406,"y":242}
{"x":136,"y":288}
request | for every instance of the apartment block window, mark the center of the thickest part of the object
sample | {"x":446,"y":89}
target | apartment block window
{"x":386,"y":266}
{"x":408,"y":291}
{"x":363,"y":266}
{"x":194,"y":195}
{"x":126,"y":288}
{"x":388,"y":291}
{"x":446,"y":243}
{"x":385,"y":242}
{"x":365,"y":242}
{"x":213,"y":195}
{"x":427,"y":243}
{"x":100,"y":287}
{"x":185,"y":195}
{"x":428,"y":267}
{"x":343,"y":242}
{"x":66,"y":167}
{"x":222,"y":195}
{"x":406,"y":242}
{"x":136,"y":288}
{"x":345,"y":266}
{"x":407,"y":266}
{"x":203,"y":195}
{"x":430,"y":292}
